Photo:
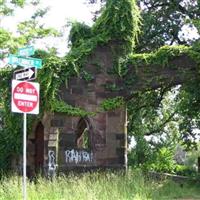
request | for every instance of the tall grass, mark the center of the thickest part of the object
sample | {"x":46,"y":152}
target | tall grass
{"x":97,"y":186}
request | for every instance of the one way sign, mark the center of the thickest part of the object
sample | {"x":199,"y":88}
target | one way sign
{"x":25,"y":74}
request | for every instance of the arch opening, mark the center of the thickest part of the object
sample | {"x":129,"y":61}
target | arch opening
{"x":83,"y":134}
{"x":39,"y":147}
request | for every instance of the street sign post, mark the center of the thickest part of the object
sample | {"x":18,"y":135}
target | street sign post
{"x":25,"y":74}
{"x":26,"y":51}
{"x":25,"y":95}
{"x":24,"y":61}
{"x":25,"y":99}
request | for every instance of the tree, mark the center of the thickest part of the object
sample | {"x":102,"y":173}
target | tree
{"x":163,"y":22}
{"x":27,"y":31}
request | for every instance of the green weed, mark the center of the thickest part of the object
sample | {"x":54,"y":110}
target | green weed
{"x":98,"y":186}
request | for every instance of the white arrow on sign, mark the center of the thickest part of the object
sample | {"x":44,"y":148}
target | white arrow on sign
{"x":25,"y":74}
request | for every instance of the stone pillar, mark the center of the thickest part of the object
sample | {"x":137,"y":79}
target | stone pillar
{"x":53,"y":152}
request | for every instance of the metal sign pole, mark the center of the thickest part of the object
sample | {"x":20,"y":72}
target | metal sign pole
{"x":24,"y":91}
{"x":24,"y":159}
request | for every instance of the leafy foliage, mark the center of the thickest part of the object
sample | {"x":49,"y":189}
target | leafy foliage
{"x":163,"y":22}
{"x":62,"y":107}
{"x":4,"y":38}
{"x":119,"y":21}
{"x":189,"y":110}
{"x":78,"y":33}
{"x":7,"y":8}
{"x":27,"y":31}
{"x":112,"y":103}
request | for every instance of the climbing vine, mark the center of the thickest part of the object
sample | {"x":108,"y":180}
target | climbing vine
{"x":112,"y":103}
{"x":162,"y":56}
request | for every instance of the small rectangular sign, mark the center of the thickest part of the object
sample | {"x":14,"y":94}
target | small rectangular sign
{"x":26,"y":51}
{"x":25,"y":74}
{"x":25,"y":62}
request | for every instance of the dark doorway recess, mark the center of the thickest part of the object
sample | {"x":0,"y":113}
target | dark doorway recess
{"x":39,"y":148}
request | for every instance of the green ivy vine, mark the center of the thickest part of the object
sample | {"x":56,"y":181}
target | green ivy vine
{"x":112,"y":103}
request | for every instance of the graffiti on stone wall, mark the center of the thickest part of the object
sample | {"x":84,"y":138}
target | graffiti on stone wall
{"x":78,"y":156}
{"x":52,"y":161}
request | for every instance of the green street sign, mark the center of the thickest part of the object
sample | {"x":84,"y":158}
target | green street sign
{"x":24,"y":61}
{"x":26,"y":51}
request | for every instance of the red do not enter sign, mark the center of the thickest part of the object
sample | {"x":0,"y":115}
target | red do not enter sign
{"x":25,"y":97}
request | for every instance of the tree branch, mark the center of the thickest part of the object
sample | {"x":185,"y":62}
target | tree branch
{"x":176,"y":71}
{"x":161,"y":126}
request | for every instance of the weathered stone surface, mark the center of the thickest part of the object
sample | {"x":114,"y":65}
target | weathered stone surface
{"x":31,"y":148}
{"x":92,"y":99}
{"x":92,"y":68}
{"x":67,"y":140}
{"x":120,"y":136}
{"x":103,"y":95}
{"x":113,"y":113}
{"x":114,"y":125}
{"x":92,"y":108}
{"x":121,"y":160}
{"x":53,"y":137}
{"x":104,"y":130}
{"x":54,"y":130}
{"x":73,"y":81}
{"x":121,"y":151}
{"x":52,"y":143}
{"x":77,"y":91}
{"x":70,"y":101}
{"x":57,"y":122}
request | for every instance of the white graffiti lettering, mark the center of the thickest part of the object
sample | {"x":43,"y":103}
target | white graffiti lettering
{"x":78,"y":156}
{"x":52,"y":160}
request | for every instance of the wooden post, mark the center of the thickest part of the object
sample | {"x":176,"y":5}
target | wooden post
{"x":198,"y":164}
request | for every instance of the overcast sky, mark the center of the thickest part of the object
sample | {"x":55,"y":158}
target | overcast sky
{"x":60,"y":11}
